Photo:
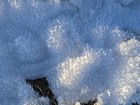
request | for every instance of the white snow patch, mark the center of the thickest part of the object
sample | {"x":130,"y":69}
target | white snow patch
{"x":130,"y":48}
{"x":72,"y":68}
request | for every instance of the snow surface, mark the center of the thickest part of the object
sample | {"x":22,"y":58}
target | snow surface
{"x":86,"y":49}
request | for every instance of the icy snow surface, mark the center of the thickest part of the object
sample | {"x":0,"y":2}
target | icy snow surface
{"x":86,"y":49}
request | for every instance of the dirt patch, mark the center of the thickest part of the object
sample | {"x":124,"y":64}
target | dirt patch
{"x":91,"y":102}
{"x":41,"y":86}
{"x":135,"y":103}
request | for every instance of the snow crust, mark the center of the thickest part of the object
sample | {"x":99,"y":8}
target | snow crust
{"x":86,"y":48}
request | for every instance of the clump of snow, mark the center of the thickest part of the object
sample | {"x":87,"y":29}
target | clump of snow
{"x":16,"y":4}
{"x":72,"y":68}
{"x":86,"y":48}
{"x":77,"y":103}
{"x":57,"y":34}
{"x":128,"y":80}
{"x":130,"y":48}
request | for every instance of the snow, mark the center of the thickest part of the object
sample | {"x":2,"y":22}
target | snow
{"x":87,"y":49}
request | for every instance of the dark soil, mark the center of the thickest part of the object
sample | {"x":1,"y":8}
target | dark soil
{"x":135,"y":103}
{"x":41,"y":86}
{"x":91,"y":102}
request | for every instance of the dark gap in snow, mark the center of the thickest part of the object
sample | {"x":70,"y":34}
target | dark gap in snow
{"x":91,"y":102}
{"x":41,"y":86}
{"x":135,"y":103}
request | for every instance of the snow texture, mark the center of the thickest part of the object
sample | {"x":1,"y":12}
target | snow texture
{"x":86,"y":48}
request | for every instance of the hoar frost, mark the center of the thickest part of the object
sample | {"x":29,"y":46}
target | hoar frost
{"x":86,"y":49}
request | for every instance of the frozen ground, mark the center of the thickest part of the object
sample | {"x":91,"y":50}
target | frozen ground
{"x":86,"y":49}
